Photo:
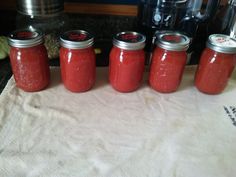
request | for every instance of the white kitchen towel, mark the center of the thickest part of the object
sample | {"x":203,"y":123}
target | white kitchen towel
{"x":104,"y":133}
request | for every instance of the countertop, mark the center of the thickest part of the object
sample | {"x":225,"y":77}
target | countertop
{"x":106,"y":133}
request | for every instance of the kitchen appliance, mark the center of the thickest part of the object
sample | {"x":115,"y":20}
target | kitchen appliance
{"x":224,"y":21}
{"x":40,"y":8}
{"x":46,"y":15}
{"x":179,"y":15}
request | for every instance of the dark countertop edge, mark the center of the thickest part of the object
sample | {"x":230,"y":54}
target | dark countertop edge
{"x":5,"y":73}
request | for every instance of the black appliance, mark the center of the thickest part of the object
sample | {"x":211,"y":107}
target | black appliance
{"x":180,"y":15}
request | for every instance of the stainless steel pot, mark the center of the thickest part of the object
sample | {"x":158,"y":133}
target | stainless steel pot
{"x":40,"y":7}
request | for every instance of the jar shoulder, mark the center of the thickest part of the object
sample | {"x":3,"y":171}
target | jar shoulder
{"x":160,"y":52}
{"x":118,"y":53}
{"x":214,"y":56}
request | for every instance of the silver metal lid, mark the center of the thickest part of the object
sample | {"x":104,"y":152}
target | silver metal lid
{"x":40,"y":7}
{"x":173,"y":41}
{"x":129,"y":40}
{"x":221,"y":43}
{"x":76,"y":39}
{"x":25,"y":38}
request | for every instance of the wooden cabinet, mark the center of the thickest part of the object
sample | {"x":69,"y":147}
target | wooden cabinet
{"x":76,"y":6}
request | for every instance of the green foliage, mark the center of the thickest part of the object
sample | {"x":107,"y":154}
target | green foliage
{"x":52,"y":45}
{"x":4,"y":47}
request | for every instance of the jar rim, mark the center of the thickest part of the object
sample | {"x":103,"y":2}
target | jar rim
{"x":76,"y":39}
{"x":24,"y":38}
{"x":173,"y":41}
{"x":129,"y":40}
{"x":221,"y":43}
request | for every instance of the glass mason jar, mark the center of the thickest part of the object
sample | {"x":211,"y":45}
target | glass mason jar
{"x":216,"y":65}
{"x":127,"y":59}
{"x":46,"y":16}
{"x":29,"y":60}
{"x":168,"y":61}
{"x":77,"y":60}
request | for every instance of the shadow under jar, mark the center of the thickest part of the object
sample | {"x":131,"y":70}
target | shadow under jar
{"x":216,"y":64}
{"x":168,"y":61}
{"x":77,"y":60}
{"x":127,"y":61}
{"x":29,"y":60}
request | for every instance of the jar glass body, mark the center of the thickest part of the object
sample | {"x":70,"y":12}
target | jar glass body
{"x":167,"y":69}
{"x":126,"y":69}
{"x":30,"y":67}
{"x":78,"y":68}
{"x":214,"y":70}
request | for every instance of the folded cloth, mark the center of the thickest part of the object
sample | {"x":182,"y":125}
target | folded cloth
{"x":104,"y":133}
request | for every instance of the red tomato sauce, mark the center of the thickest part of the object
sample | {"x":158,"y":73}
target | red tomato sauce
{"x":126,"y":69}
{"x":30,"y":67}
{"x":78,"y":68}
{"x":167,"y":69}
{"x":214,"y":70}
